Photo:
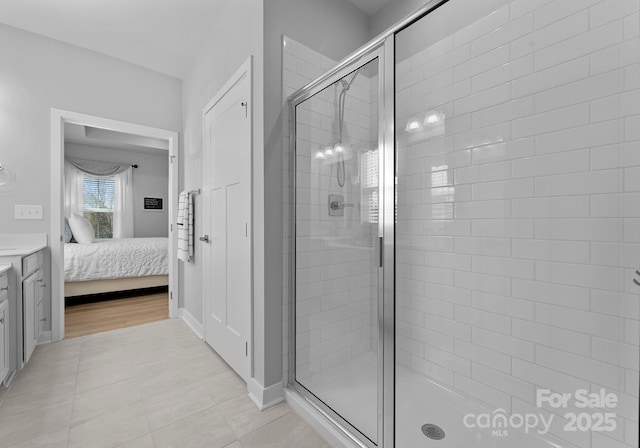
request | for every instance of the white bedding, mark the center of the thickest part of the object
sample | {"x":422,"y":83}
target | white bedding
{"x":117,"y":258}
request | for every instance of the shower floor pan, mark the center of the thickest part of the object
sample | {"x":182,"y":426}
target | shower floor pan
{"x":350,"y":389}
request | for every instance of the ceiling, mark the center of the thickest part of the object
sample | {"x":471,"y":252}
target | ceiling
{"x":370,"y":7}
{"x":104,"y":138}
{"x":162,"y":35}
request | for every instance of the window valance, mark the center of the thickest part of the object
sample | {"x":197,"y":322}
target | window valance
{"x":97,"y":168}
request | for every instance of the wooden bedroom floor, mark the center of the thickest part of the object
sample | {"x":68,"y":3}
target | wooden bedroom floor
{"x":90,"y":318}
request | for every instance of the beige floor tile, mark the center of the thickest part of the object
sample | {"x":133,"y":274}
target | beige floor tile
{"x":145,"y":441}
{"x":57,"y":439}
{"x":110,"y":429}
{"x":94,"y":360}
{"x":91,"y":404}
{"x":42,"y":384}
{"x":176,"y":403}
{"x":224,"y":386}
{"x":103,"y":376}
{"x":47,"y":369}
{"x":155,"y":382}
{"x":235,"y":444}
{"x":289,"y":431}
{"x":3,"y":395}
{"x":26,"y":398}
{"x":152,"y":386}
{"x":204,"y":429}
{"x":15,"y":428}
{"x":243,"y":416}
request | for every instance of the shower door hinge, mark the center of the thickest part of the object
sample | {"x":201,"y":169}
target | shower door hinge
{"x":171,"y":227}
{"x":171,"y":295}
{"x":246,"y":108}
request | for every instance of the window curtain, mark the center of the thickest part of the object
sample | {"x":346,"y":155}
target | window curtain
{"x":123,"y":204}
{"x":74,"y":173}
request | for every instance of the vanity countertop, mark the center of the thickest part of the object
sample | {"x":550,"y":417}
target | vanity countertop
{"x":4,"y":268}
{"x":20,"y":251}
{"x":20,"y":245}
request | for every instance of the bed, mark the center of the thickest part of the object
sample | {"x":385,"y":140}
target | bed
{"x":115,"y":265}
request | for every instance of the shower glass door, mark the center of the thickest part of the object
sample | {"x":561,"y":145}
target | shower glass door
{"x":518,"y":225}
{"x":337,"y":351}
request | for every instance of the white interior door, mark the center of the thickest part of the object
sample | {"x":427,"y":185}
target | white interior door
{"x":226,"y":249}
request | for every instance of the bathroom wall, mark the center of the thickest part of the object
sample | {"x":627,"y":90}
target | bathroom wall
{"x":150,"y":179}
{"x":236,"y":34}
{"x":519,"y":204}
{"x":38,"y":74}
{"x":335,"y":288}
{"x":306,"y":21}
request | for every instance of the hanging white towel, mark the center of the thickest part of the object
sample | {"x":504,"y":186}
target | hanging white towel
{"x":183,"y":221}
{"x":190,"y":210}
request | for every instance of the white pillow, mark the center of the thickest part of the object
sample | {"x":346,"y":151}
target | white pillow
{"x":82,"y":229}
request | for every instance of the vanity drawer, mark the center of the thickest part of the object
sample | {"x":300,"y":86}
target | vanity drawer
{"x":30,"y":263}
{"x":4,"y":281}
{"x":4,"y":287}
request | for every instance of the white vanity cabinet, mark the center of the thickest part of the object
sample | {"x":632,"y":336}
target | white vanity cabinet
{"x":28,"y":298}
{"x":33,"y":289}
{"x":31,"y":300}
{"x":4,"y":324}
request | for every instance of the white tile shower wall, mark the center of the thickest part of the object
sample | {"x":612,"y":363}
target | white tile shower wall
{"x":517,"y":233}
{"x":334,"y":267}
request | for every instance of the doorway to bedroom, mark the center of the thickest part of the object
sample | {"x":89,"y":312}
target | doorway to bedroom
{"x":113,"y":266}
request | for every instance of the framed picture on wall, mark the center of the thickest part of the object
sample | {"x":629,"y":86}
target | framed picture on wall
{"x":153,"y":204}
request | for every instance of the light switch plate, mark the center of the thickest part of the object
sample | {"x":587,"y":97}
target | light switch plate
{"x":28,"y":211}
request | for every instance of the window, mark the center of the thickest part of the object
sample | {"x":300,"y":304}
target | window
{"x":98,"y":204}
{"x":369,"y":180}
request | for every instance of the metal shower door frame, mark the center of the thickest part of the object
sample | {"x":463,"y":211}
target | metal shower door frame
{"x":383,"y":46}
{"x":385,"y":257}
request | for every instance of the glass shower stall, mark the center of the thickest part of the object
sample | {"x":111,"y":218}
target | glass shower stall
{"x":465,"y":230}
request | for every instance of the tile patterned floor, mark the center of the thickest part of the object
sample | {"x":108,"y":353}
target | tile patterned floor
{"x":151,"y":386}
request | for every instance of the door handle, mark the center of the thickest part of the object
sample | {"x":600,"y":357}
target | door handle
{"x":636,"y":281}
{"x":205,"y":238}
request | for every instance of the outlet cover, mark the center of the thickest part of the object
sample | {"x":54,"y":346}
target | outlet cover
{"x":28,"y":211}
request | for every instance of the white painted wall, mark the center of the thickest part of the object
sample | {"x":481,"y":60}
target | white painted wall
{"x":391,"y":13}
{"x":39,"y":73}
{"x":150,"y":179}
{"x":236,"y":34}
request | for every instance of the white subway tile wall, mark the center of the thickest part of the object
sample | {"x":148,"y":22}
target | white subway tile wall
{"x":518,"y":218}
{"x":336,"y":298}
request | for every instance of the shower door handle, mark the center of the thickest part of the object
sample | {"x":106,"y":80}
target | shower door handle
{"x":380,"y":250}
{"x":636,"y":281}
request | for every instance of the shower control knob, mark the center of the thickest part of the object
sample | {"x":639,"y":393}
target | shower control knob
{"x":337,"y":205}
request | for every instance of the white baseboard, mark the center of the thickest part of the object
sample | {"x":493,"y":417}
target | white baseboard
{"x":191,"y":321}
{"x":45,"y":337}
{"x":265,"y":397}
{"x":329,"y":432}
